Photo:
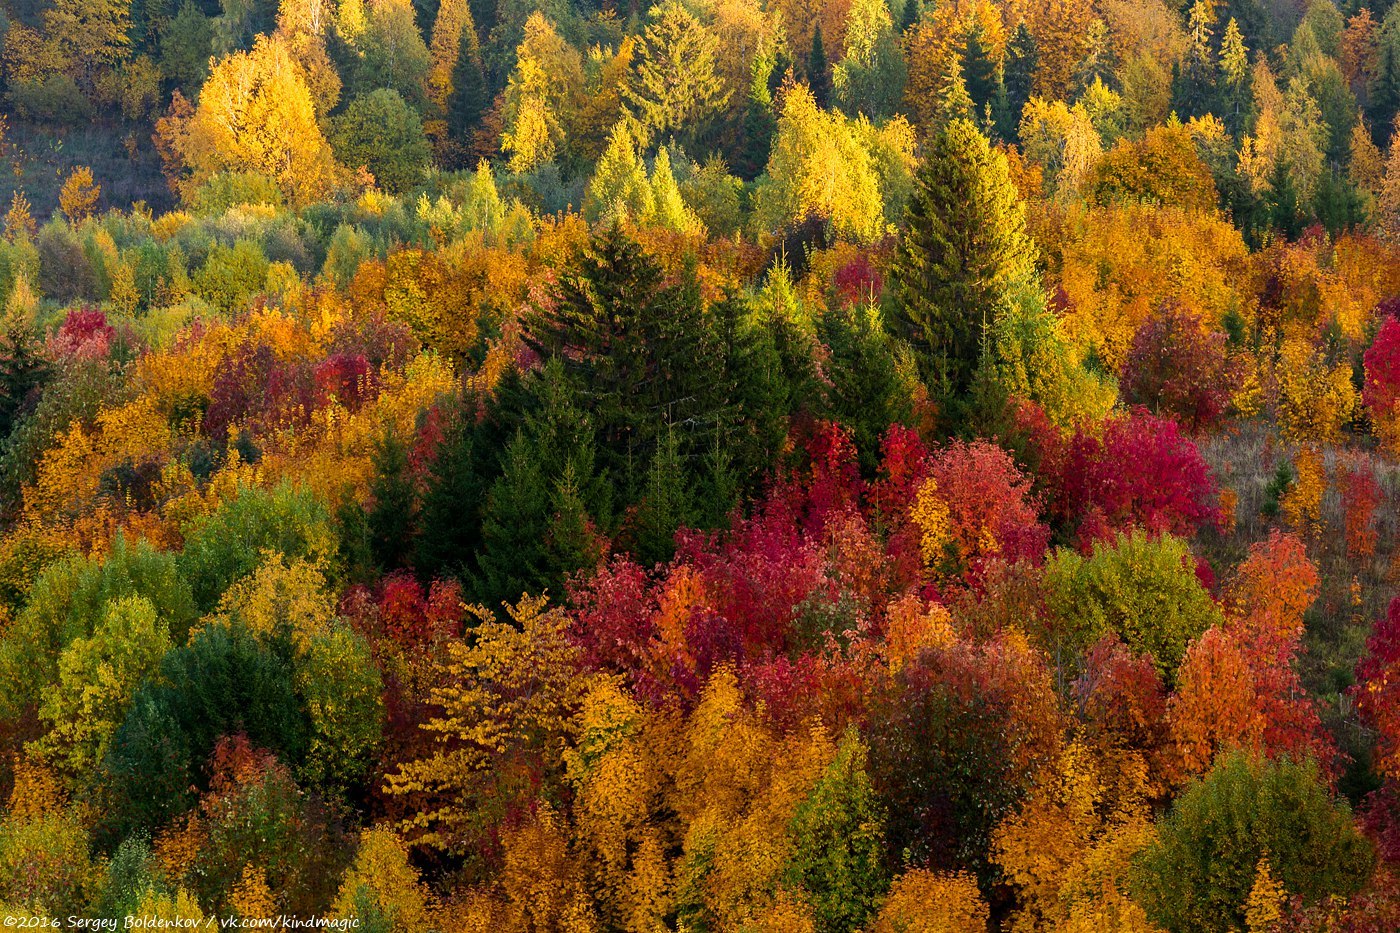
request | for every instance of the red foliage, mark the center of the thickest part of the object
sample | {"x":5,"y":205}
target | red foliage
{"x":858,"y":281}
{"x":1177,"y":366}
{"x":1361,"y":495}
{"x":1382,"y":361}
{"x":84,"y":335}
{"x":992,"y":510}
{"x":346,"y":377}
{"x":833,"y":486}
{"x":1377,"y":689}
{"x":1121,"y":694}
{"x":1141,"y":473}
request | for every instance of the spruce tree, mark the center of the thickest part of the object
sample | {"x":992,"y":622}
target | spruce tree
{"x":666,"y":505}
{"x":979,"y":73}
{"x":963,"y":246}
{"x":392,"y":515}
{"x":469,"y":97}
{"x":818,"y":77}
{"x":1022,"y":59}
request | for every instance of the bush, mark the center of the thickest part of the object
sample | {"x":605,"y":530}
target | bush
{"x":382,"y":133}
{"x":1140,"y":587}
{"x":1197,"y":876}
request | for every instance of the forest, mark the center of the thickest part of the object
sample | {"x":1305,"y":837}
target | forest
{"x":707,"y":466}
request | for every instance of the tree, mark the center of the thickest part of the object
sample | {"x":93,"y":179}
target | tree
{"x":392,"y":54}
{"x":382,"y":889}
{"x":547,"y":73}
{"x":79,"y":195}
{"x":382,"y":133}
{"x":454,"y":40}
{"x":97,"y":678}
{"x":1143,"y":589}
{"x":675,"y":87}
{"x":1199,"y":872}
{"x":392,"y":515}
{"x":837,"y":836}
{"x":255,"y":114}
{"x":964,"y":243}
{"x":818,"y":74}
{"x":1022,"y":60}
{"x":869,"y":79}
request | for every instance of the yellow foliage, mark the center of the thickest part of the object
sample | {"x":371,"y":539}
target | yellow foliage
{"x":382,"y":874}
{"x":910,"y":627}
{"x":931,"y":514}
{"x":1267,"y":898}
{"x":1302,"y":503}
{"x":1315,"y":399}
{"x":278,"y":597}
{"x":36,"y":790}
{"x":921,"y":901}
{"x":256,"y":114}
{"x":251,"y":898}
{"x":540,"y":879}
{"x":182,"y":906}
{"x":516,"y":686}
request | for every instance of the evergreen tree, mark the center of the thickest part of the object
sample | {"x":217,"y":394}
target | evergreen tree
{"x":469,"y":96}
{"x":1022,"y":58}
{"x":639,"y":351}
{"x":818,"y":78}
{"x":394,"y":504}
{"x":979,"y":73}
{"x":909,"y":15}
{"x":666,"y":505}
{"x":540,"y":509}
{"x":963,"y":246}
{"x":868,"y":392}
{"x":1193,"y":84}
{"x":1384,"y":88}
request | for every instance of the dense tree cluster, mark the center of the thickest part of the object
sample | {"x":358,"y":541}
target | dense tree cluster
{"x":717,"y":465}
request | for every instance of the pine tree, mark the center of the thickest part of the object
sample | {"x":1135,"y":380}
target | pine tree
{"x":538,"y":516}
{"x":1022,"y":58}
{"x":963,"y":248}
{"x":392,"y":516}
{"x":1194,"y":85}
{"x":620,"y":189}
{"x":469,"y":98}
{"x":639,"y":351}
{"x":1384,"y":87}
{"x":666,"y":505}
{"x":818,"y":77}
{"x":979,"y":73}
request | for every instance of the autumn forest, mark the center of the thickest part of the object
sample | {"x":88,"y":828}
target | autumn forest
{"x":707,"y":466}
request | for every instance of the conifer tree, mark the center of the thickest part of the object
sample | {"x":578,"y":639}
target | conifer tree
{"x":818,"y":76}
{"x":964,"y":245}
{"x":394,"y":505}
{"x":1022,"y":58}
{"x":676,"y":87}
{"x":979,"y":72}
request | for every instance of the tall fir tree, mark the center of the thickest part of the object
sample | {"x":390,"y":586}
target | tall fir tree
{"x":392,"y":515}
{"x":1022,"y":59}
{"x":963,"y":248}
{"x":980,"y":74}
{"x":818,"y":72}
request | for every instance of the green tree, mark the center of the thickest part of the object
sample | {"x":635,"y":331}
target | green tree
{"x":675,"y":87}
{"x":870,"y":76}
{"x":1022,"y":59}
{"x":1142,"y":588}
{"x":838,"y":842}
{"x":963,"y":246}
{"x":382,"y":133}
{"x":1198,"y":873}
{"x":392,"y":54}
{"x":392,"y":516}
{"x":818,"y":71}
